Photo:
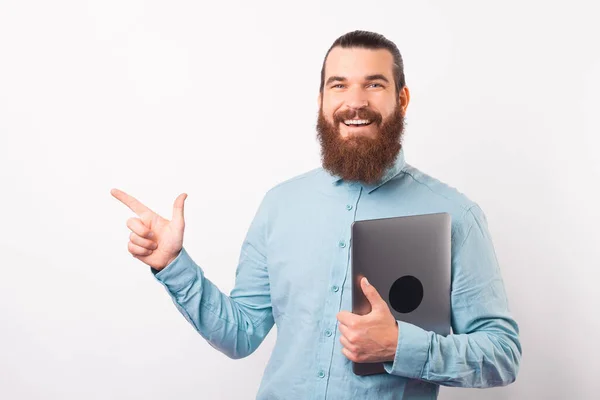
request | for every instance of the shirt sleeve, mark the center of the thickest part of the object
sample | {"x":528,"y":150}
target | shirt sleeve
{"x":236,"y":324}
{"x":484,"y":349}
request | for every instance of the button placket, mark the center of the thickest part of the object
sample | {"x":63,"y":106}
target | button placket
{"x":334,"y":301}
{"x":352,"y":204}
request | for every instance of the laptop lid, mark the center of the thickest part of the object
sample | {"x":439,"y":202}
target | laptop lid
{"x":407,"y":259}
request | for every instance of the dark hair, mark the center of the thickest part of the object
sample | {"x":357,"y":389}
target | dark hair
{"x":374,"y":41}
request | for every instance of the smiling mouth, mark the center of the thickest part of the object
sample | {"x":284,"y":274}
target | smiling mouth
{"x":357,"y":123}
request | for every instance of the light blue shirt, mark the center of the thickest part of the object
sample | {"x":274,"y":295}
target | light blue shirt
{"x":294,"y":271}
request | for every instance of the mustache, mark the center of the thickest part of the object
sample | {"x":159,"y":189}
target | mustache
{"x":361,"y":113}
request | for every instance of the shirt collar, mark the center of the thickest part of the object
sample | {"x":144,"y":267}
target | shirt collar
{"x":391,"y":172}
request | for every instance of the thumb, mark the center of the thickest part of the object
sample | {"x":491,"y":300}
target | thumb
{"x":372,"y":295}
{"x":178,"y":211}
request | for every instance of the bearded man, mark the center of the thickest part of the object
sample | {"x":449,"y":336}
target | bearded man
{"x":293,"y":269}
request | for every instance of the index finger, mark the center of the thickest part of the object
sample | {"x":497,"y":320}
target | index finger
{"x":130,"y":202}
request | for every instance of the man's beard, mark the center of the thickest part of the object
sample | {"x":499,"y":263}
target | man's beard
{"x":358,"y":157}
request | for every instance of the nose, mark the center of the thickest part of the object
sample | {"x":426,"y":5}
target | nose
{"x":355,"y":105}
{"x":357,"y":99}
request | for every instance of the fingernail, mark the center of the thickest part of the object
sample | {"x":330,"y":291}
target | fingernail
{"x":151,"y":234}
{"x":366,"y":281}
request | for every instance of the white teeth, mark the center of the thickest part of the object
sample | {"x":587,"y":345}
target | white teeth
{"x":357,"y":122}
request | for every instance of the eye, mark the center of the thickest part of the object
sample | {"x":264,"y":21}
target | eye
{"x":379,"y":84}
{"x":335,"y":86}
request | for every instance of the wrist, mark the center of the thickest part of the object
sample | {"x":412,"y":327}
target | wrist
{"x":173,"y":258}
{"x":394,"y":336}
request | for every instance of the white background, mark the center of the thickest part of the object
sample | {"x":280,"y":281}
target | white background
{"x":219,"y":100}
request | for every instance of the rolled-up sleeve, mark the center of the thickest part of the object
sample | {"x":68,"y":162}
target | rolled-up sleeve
{"x":484,"y":349}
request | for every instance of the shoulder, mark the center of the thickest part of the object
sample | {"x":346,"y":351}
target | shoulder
{"x":298,"y":184}
{"x":439,"y":192}
{"x":442,"y":196}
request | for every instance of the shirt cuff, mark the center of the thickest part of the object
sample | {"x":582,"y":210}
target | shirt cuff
{"x":179,"y":273}
{"x":411,"y":352}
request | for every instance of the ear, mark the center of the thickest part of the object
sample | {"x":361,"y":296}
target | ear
{"x":404,"y":99}
{"x":319,"y":101}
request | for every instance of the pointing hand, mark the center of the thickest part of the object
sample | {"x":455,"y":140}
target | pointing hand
{"x":154,"y":240}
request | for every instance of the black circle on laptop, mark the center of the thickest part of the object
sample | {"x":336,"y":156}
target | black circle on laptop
{"x":406,"y":294}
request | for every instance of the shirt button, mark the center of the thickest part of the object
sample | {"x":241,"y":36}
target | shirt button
{"x":321,"y":374}
{"x":342,"y":244}
{"x":335,"y":288}
{"x":349,"y":207}
{"x":328,"y":333}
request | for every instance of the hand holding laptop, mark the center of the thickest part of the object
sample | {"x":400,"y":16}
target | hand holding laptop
{"x":371,"y":337}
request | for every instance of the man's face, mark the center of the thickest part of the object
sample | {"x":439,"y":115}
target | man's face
{"x":361,"y":117}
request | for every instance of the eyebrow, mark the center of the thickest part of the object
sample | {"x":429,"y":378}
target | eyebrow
{"x":368,"y":78}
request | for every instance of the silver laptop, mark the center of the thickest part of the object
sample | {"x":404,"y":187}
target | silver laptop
{"x":407,"y":259}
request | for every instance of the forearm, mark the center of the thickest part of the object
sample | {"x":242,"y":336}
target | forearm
{"x":487,"y":357}
{"x":229,"y":325}
{"x":479,"y":359}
